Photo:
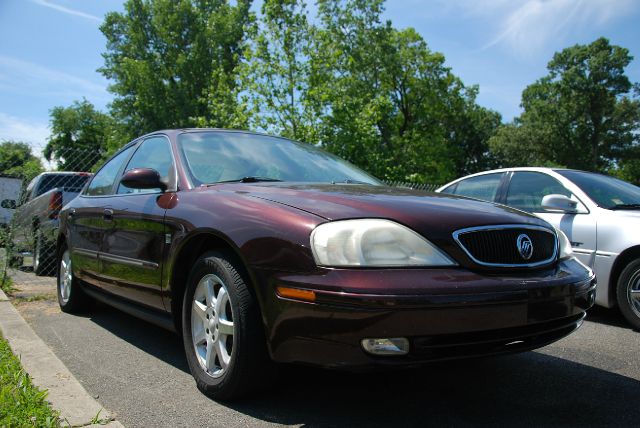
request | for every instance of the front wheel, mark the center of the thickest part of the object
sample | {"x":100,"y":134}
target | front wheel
{"x":71,"y":297}
{"x":222,"y":332}
{"x":628,"y":293}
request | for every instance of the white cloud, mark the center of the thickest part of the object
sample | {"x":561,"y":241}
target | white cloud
{"x":19,"y":129}
{"x":31,"y":78}
{"x":67,"y":10}
{"x":527,"y":27}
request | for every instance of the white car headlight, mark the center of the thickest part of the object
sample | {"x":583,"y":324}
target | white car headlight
{"x":373,"y":242}
{"x":566,"y":250}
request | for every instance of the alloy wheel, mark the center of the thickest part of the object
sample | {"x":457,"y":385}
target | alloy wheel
{"x":633,"y":292}
{"x":212,"y":325}
{"x":66,"y":276}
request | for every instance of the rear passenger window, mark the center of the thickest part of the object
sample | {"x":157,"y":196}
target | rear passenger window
{"x":527,"y":189}
{"x":483,"y":187}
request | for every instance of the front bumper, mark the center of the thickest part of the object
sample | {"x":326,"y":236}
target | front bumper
{"x":445,"y":313}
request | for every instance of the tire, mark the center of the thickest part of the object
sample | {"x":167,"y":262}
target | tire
{"x":16,"y":261}
{"x":42,"y":261}
{"x":71,"y":297}
{"x":628,"y":293}
{"x":220,"y":315}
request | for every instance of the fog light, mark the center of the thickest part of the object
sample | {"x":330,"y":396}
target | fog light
{"x":390,"y":346}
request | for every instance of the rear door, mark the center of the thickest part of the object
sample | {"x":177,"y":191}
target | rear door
{"x":87,"y":222}
{"x":526,"y":190}
{"x":134,"y":242}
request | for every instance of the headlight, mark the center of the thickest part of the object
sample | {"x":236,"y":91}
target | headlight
{"x":373,"y":242}
{"x":565,"y":245}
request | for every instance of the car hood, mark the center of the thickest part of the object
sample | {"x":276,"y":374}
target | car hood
{"x":423,"y":211}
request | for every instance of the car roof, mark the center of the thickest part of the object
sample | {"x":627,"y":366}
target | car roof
{"x":177,"y":131}
{"x":511,"y":169}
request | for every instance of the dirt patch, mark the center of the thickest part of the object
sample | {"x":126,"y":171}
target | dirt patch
{"x":31,"y":309}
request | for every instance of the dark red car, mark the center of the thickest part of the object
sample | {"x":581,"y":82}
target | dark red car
{"x":260,"y":249}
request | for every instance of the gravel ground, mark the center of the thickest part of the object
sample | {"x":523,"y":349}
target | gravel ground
{"x":139,"y":372}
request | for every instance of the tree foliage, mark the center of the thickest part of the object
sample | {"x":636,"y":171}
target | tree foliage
{"x":387,"y":102}
{"x":279,"y":70}
{"x":17,"y":160}
{"x":584,"y":114}
{"x":80,"y":136}
{"x":174,"y":63}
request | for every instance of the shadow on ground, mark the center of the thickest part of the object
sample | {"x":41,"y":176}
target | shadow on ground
{"x":608,"y":316}
{"x":530,"y":389}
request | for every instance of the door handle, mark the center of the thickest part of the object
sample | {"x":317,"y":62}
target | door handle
{"x":107,"y":215}
{"x":71,"y":213}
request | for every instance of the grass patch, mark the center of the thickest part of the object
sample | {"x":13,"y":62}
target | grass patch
{"x":6,"y":284}
{"x":22,"y":404}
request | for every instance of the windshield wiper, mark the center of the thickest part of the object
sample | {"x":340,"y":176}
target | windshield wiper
{"x":249,"y":179}
{"x":625,"y":207}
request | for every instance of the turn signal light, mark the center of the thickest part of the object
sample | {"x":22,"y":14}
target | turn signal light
{"x":297,"y":293}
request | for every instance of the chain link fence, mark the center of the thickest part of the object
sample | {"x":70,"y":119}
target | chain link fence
{"x":32,"y":195}
{"x":31,"y":202}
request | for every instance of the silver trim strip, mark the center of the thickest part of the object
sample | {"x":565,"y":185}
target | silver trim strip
{"x":116,"y":259}
{"x":128,"y":261}
{"x":457,"y":233}
{"x":88,"y":253}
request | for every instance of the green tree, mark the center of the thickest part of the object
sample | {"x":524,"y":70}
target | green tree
{"x":388,"y":103}
{"x":17,"y":160}
{"x":584,"y":114}
{"x":174,"y":63}
{"x":80,"y":135}
{"x":279,"y":70}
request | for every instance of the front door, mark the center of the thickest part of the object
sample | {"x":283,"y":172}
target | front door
{"x":134,"y":244}
{"x":526,"y":190}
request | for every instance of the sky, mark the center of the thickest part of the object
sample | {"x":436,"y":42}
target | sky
{"x":50,"y":49}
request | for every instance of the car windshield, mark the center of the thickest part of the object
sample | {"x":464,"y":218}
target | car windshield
{"x":215,"y":157}
{"x":607,"y":192}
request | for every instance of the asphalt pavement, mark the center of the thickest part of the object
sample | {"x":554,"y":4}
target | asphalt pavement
{"x":139,"y":373}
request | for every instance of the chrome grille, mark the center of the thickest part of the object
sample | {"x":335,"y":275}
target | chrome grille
{"x":498,"y":246}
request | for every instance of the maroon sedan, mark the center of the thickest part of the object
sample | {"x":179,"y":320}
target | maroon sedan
{"x":258,"y":249}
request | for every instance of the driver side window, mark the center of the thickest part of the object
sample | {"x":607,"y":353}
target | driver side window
{"x":527,"y":189}
{"x":154,"y":153}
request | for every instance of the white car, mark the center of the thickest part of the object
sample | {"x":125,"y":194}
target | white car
{"x":599,"y":214}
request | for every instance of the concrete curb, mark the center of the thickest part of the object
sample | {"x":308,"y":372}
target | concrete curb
{"x":66,"y":394}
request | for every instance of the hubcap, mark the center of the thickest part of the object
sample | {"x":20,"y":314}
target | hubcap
{"x":212,"y":327}
{"x":633,"y":293}
{"x":65,"y":277}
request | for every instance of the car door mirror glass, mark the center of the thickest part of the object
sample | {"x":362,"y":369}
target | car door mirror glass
{"x":8,"y":204}
{"x":560,"y":203}
{"x":143,"y":178}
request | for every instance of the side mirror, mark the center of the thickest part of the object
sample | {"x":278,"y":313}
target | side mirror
{"x":9,"y":204}
{"x":560,"y":203}
{"x":143,"y":178}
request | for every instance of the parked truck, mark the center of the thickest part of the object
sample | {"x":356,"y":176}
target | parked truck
{"x":34,"y":228}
